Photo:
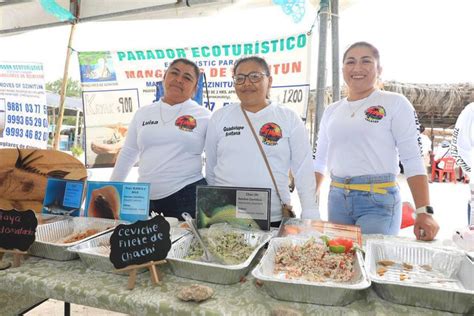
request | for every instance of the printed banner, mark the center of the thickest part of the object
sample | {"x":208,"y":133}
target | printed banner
{"x":23,"y":110}
{"x":115,"y":84}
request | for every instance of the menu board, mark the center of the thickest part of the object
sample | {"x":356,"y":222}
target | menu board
{"x":17,"y":229}
{"x":139,"y":243}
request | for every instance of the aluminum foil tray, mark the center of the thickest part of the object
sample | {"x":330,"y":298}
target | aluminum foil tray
{"x":440,"y":279}
{"x":47,"y":243}
{"x":95,"y":252}
{"x":44,"y":219}
{"x":213,"y":272}
{"x":321,"y":293}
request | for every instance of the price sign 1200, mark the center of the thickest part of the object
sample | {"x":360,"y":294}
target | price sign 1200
{"x":293,"y":96}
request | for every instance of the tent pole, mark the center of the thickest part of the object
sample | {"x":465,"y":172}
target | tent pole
{"x":59,"y":121}
{"x":336,"y":86}
{"x":74,"y":7}
{"x":76,"y":131}
{"x":321,"y":83}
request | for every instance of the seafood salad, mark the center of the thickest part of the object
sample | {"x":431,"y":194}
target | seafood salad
{"x":229,"y":246}
{"x":315,"y":262}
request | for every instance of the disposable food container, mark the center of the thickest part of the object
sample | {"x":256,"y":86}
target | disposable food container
{"x":94,"y":253}
{"x":214,"y":272}
{"x":300,"y":290}
{"x":439,"y":278}
{"x":48,"y":237}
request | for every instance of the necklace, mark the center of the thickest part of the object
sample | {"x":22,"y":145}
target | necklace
{"x":358,"y":108}
{"x":173,"y":117}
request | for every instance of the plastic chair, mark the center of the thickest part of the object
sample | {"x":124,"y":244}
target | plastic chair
{"x":448,"y":169}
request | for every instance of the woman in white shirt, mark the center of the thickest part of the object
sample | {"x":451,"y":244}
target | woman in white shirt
{"x":462,"y":149}
{"x":167,"y":140}
{"x":233,"y":157}
{"x":359,"y":142}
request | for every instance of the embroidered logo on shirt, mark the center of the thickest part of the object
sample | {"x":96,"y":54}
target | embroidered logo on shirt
{"x":271,"y":133}
{"x":375,"y":114}
{"x":186,"y":123}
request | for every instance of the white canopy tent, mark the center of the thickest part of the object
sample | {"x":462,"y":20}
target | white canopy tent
{"x":24,"y":15}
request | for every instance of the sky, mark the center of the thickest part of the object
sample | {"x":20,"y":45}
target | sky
{"x":420,"y":41}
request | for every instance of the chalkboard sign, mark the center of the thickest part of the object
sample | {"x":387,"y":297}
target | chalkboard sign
{"x":17,"y":229}
{"x":141,"y":242}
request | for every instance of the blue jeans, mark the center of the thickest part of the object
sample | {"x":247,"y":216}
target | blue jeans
{"x":182,"y":201}
{"x":375,"y":213}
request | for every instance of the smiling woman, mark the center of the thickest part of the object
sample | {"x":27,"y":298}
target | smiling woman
{"x":167,"y":140}
{"x":234,"y":159}
{"x":375,"y":129}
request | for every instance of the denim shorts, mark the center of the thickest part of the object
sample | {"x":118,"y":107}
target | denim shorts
{"x":182,"y":201}
{"x":375,"y":213}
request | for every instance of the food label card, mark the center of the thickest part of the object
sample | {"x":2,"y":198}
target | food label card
{"x":17,"y":229}
{"x":127,"y":201}
{"x":237,"y":206}
{"x":63,"y":197}
{"x":139,"y":243}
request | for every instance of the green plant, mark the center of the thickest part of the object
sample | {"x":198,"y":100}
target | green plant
{"x":73,"y":87}
{"x":76,"y":151}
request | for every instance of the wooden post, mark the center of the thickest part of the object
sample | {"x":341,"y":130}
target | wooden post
{"x":59,"y":121}
{"x":76,"y":131}
{"x":132,"y":279}
{"x":154,"y":276}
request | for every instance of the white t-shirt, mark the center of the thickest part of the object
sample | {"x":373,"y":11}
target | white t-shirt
{"x":167,"y":141}
{"x":233,"y":157}
{"x":384,"y":128}
{"x":462,"y":146}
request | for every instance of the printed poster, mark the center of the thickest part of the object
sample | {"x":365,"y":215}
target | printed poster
{"x":116,"y":83}
{"x":23,"y":109}
{"x":128,"y":201}
{"x":245,"y":208}
{"x":63,"y":197}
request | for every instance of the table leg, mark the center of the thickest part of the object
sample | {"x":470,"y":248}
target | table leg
{"x":67,"y":309}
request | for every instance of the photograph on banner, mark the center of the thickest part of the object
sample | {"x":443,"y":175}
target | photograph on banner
{"x":247,"y":208}
{"x":128,"y":201}
{"x":63,"y":197}
{"x":107,"y":114}
{"x":23,"y":109}
{"x":143,"y":71}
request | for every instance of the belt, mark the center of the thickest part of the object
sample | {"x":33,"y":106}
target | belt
{"x":373,"y":187}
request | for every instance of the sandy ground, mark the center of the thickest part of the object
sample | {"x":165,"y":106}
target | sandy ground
{"x":448,"y":199}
